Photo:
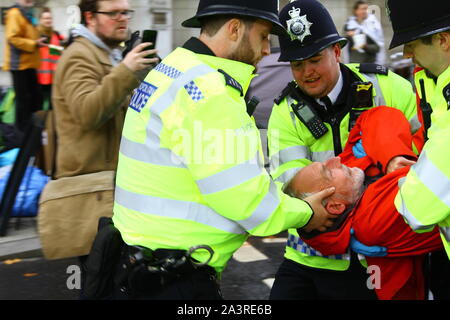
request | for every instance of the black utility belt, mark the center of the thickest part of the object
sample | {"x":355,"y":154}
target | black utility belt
{"x":169,"y":261}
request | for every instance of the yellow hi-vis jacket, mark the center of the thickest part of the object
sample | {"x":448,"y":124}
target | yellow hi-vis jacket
{"x":424,"y":195}
{"x":190,"y":166}
{"x":292,"y":147}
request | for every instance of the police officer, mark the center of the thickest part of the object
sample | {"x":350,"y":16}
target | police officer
{"x":423,"y":198}
{"x":310,"y":122}
{"x":191,"y":186}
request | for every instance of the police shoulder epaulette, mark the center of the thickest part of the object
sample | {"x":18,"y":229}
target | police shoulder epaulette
{"x":285,"y":92}
{"x":373,"y":68}
{"x":230,"y":81}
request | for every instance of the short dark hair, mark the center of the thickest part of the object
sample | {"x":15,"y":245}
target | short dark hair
{"x":359,"y":3}
{"x":212,"y":24}
{"x":88,"y":6}
{"x":44,"y":10}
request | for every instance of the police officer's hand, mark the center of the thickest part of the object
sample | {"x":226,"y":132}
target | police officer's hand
{"x":136,"y":59}
{"x":397,"y":163}
{"x":320,"y":219}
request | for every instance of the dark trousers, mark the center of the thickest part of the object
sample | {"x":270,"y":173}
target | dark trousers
{"x":28,"y":96}
{"x":440,"y":275}
{"x":46,"y":90}
{"x":294,"y":281}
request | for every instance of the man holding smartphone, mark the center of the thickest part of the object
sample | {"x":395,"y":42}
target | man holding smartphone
{"x":91,"y":92}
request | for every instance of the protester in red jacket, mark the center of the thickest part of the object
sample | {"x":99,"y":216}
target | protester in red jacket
{"x":386,"y":138}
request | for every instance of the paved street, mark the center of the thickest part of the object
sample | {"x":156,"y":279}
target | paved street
{"x":249,"y":274}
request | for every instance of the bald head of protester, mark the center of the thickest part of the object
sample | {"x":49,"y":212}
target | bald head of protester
{"x":348,"y":183}
{"x":312,"y":45}
{"x":237,"y":30}
{"x":424,"y":31}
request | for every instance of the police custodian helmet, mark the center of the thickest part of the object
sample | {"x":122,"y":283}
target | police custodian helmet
{"x":310,"y":29}
{"x":414,"y":19}
{"x":262,"y":9}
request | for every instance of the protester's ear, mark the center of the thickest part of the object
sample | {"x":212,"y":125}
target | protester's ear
{"x":335,"y":207}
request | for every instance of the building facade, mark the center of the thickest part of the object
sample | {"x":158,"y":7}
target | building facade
{"x":166,"y":17}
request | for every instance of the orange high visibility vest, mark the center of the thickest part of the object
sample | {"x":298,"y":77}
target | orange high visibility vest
{"x":48,"y":61}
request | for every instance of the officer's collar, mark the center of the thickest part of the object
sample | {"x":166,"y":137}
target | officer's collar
{"x":197,"y":46}
{"x":334,"y":93}
{"x":239,"y":71}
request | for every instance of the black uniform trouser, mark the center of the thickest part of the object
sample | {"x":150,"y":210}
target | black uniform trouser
{"x":440,"y":275}
{"x":28,"y":96}
{"x":295,"y":281}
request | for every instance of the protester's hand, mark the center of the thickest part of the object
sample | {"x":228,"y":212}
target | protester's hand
{"x":358,"y":150}
{"x":136,"y":59}
{"x":42,"y":42}
{"x":351,"y":33}
{"x":372,"y":251}
{"x":320,"y":219}
{"x":397,"y":163}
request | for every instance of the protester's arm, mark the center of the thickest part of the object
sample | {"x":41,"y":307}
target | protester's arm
{"x":385,"y":135}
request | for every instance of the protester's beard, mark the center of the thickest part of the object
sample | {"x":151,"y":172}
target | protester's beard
{"x":112,"y":43}
{"x":244,"y":52}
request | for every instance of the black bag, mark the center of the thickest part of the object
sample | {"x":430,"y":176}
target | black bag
{"x":10,"y":137}
{"x":103,"y":261}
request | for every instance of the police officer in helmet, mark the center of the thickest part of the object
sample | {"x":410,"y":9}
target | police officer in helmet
{"x":184,"y":203}
{"x":424,"y":30}
{"x":310,"y":122}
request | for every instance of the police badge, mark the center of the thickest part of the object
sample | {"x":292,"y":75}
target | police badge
{"x":298,"y":26}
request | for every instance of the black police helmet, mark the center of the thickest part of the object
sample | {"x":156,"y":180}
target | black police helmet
{"x":310,"y":30}
{"x":262,"y":9}
{"x":414,"y":19}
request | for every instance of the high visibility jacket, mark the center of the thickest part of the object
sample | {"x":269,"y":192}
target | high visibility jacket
{"x":292,"y":147}
{"x":424,"y":196}
{"x":21,"y":50}
{"x":430,"y":87}
{"x":190,"y":166}
{"x":48,"y":61}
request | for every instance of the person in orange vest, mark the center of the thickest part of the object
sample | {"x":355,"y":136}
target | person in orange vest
{"x":49,"y":55}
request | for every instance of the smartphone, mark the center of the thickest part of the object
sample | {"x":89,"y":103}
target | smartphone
{"x":150,"y":36}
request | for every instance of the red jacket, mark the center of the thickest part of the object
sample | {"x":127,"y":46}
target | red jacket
{"x":385,"y":134}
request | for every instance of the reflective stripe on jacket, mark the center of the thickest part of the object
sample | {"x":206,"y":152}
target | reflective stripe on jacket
{"x":292,"y":146}
{"x":424,"y":196}
{"x":190,"y":165}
